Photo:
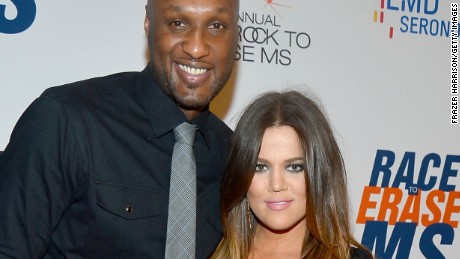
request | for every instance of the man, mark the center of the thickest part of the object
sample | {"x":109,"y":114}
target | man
{"x":86,"y":173}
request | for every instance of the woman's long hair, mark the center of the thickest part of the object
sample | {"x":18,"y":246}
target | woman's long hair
{"x":328,"y":232}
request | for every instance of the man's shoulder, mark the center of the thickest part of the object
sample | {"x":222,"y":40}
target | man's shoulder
{"x":93,"y":87}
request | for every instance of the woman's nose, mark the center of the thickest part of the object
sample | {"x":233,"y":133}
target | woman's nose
{"x":277,"y":181}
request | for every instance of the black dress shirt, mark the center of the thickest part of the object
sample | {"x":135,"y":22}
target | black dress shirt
{"x":86,"y":172}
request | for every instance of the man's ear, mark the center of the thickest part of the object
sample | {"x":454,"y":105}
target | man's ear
{"x":146,"y":25}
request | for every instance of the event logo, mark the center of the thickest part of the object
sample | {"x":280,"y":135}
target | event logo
{"x":274,"y":6}
{"x":429,"y":202}
{"x":415,"y":17}
{"x":263,"y":39}
{"x":16,"y":15}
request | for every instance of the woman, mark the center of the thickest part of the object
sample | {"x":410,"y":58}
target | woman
{"x":284,"y":191}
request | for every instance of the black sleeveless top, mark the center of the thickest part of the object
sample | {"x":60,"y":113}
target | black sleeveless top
{"x":357,"y":253}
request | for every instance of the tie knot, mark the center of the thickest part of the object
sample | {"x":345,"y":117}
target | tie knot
{"x":185,"y":133}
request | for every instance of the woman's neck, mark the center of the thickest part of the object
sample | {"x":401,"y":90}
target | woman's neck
{"x":270,"y":244}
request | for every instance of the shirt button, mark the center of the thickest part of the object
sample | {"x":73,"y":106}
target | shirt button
{"x":129,"y":209}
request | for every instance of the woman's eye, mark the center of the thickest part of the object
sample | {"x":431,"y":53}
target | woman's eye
{"x":261,"y":168}
{"x":295,"y":168}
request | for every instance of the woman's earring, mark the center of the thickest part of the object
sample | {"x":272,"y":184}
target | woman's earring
{"x":248,"y":214}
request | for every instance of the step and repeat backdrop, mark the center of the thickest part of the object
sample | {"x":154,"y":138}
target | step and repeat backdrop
{"x":386,"y":72}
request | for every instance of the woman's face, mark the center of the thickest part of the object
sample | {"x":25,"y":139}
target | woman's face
{"x":277,"y":194}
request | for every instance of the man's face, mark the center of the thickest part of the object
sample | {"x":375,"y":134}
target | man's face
{"x":192,"y":45}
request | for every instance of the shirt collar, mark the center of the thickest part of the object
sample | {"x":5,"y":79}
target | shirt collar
{"x":163,"y":113}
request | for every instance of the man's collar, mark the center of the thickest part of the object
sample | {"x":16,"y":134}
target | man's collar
{"x":163,"y":113}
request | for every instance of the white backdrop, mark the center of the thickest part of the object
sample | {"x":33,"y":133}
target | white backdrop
{"x":389,"y":98}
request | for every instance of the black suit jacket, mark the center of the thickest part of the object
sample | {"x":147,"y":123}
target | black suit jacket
{"x":86,"y":172}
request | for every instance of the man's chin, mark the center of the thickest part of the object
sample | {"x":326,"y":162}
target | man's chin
{"x":193,"y":105}
{"x":196,"y":100}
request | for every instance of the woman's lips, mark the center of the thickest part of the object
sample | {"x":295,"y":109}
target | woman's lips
{"x":278,"y":205}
